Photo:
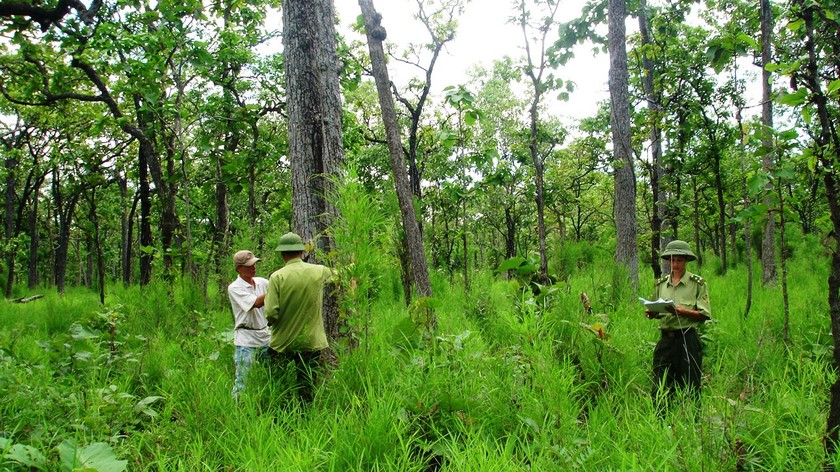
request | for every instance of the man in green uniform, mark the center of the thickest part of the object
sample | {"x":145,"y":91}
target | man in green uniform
{"x":678,"y":357}
{"x":294,"y":310}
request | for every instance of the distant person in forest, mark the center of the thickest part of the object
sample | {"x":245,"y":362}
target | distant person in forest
{"x":678,"y":356}
{"x":250,"y":328}
{"x":294,"y":309}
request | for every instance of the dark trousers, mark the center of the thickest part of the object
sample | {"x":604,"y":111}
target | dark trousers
{"x":307,"y":364}
{"x":678,"y":362}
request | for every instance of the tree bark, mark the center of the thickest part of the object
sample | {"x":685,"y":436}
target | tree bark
{"x":659,"y":220}
{"x":768,"y":242}
{"x":64,"y":209}
{"x":716,"y":158}
{"x":9,"y":220}
{"x":414,"y":239}
{"x":828,"y":150}
{"x":146,"y":242}
{"x":625,"y":178}
{"x":314,"y":120}
{"x":34,"y":238}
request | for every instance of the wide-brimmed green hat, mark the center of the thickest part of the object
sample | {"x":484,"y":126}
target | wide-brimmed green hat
{"x":290,"y":242}
{"x":678,"y":248}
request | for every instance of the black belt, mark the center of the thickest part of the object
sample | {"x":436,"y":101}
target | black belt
{"x":673,"y":333}
{"x":251,"y":329}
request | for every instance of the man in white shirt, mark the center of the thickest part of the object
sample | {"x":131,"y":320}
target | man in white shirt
{"x":250,"y":328}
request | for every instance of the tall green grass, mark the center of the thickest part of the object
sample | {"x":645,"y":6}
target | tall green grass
{"x":506,"y":381}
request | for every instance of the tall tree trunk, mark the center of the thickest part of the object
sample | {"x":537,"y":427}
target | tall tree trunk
{"x":716,"y":157}
{"x":696,"y":216}
{"x":659,"y":220}
{"x":464,"y":245}
{"x":828,"y":151}
{"x":34,"y":238}
{"x":128,"y":269}
{"x":146,"y":243}
{"x":411,"y":226}
{"x":768,"y":242}
{"x":315,"y":115}
{"x":97,"y":247}
{"x":510,"y":234}
{"x":221,"y":229}
{"x":747,"y":203}
{"x":125,"y":233}
{"x":625,"y":178}
{"x":783,"y":261}
{"x":9,"y":218}
{"x":64,"y":211}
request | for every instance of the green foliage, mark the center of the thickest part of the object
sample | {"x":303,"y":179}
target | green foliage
{"x":502,"y":377}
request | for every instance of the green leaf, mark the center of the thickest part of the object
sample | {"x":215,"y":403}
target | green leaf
{"x":530,"y":423}
{"x":22,"y":454}
{"x":470,"y":117}
{"x":511,"y":263}
{"x":757,"y":182}
{"x":795,"y":25}
{"x":794,"y":99}
{"x":97,"y":457}
{"x":833,"y":86}
{"x":788,"y":135}
{"x":144,"y":403}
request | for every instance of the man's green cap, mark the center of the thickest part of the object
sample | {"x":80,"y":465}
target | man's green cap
{"x":678,"y":248}
{"x":290,"y":242}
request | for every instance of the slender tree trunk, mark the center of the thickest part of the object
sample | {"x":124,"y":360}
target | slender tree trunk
{"x":768,"y":243}
{"x":464,"y":246}
{"x":659,"y":220}
{"x":34,"y":239}
{"x":51,"y":239}
{"x":97,"y":247}
{"x":827,"y":148}
{"x":625,"y":178}
{"x":411,"y":227}
{"x":510,"y":234}
{"x":9,"y":220}
{"x":315,"y":115}
{"x":733,"y":230}
{"x":721,"y":208}
{"x":128,"y":270}
{"x":696,"y":216}
{"x":222,"y":227}
{"x":747,"y":226}
{"x":64,"y":211}
{"x":783,"y":260}
{"x":125,"y":234}
{"x":146,"y":243}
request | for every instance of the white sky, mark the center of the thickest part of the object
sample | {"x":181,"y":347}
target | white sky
{"x":483,"y":36}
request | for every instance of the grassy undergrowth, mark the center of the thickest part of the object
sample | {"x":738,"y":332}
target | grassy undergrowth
{"x":507,"y":382}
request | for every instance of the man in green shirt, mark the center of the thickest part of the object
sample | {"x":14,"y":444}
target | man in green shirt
{"x":294,"y":310}
{"x":678,"y":356}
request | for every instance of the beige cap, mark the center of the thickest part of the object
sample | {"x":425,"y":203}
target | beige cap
{"x":245,"y":258}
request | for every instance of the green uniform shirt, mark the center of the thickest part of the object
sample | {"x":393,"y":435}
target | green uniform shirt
{"x":692,"y":292}
{"x":294,"y":307}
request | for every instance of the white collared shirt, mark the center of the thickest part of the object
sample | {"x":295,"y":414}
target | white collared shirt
{"x":250,"y":328}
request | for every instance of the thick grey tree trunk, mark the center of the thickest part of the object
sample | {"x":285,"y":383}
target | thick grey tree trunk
{"x":414,"y":239}
{"x":314,"y":121}
{"x":626,"y":252}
